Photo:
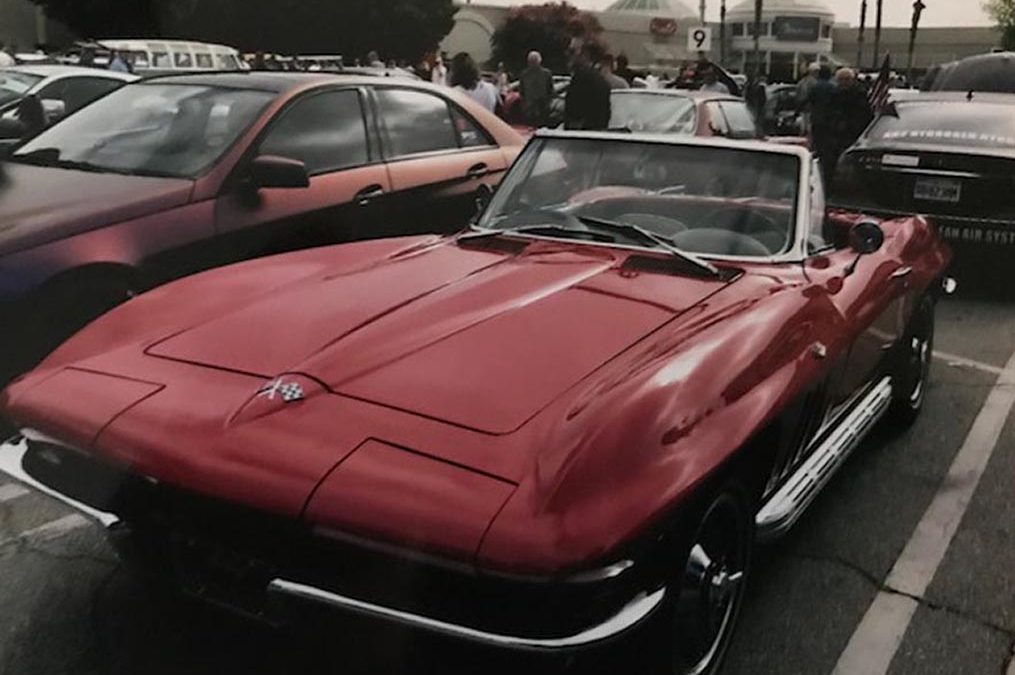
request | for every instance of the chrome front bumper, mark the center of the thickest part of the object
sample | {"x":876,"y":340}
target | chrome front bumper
{"x":287,"y":592}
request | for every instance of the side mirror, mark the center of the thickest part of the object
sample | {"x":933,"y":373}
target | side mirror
{"x":55,"y":109}
{"x":867,"y":237}
{"x":484,"y":195}
{"x":269,"y":171}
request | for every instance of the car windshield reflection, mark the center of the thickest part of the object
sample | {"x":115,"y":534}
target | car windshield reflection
{"x":706,"y":200}
{"x":170,"y":130}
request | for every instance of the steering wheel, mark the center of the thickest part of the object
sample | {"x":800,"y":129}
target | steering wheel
{"x":748,"y":221}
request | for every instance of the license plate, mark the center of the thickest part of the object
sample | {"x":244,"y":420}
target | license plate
{"x":938,"y":190}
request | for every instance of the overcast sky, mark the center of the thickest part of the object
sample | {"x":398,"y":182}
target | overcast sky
{"x":897,"y":12}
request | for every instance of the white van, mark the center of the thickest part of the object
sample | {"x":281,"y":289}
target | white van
{"x":160,"y":57}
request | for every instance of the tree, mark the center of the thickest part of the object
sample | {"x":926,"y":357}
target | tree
{"x":1003,"y":13}
{"x":398,"y":29}
{"x":105,"y":18}
{"x":549,"y":29}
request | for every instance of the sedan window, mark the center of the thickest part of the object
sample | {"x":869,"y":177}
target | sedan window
{"x":654,"y":113}
{"x":324,"y":131}
{"x":415,"y":122}
{"x":14,"y":85}
{"x":150,"y":129}
{"x":77,"y":92}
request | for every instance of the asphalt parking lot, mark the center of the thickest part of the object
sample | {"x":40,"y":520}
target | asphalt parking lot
{"x":821,"y":600}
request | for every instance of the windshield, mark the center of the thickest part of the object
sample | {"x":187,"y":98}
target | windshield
{"x":14,"y":85}
{"x":654,"y":113}
{"x":172,"y":130}
{"x":704,"y":200}
{"x":967,"y":124}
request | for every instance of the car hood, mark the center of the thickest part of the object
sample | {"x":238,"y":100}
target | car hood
{"x":42,"y":204}
{"x":456,"y":335}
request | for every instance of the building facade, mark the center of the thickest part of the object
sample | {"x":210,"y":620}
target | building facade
{"x":794,"y":33}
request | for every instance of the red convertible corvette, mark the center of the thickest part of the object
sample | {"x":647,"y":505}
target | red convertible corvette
{"x":559,"y":428}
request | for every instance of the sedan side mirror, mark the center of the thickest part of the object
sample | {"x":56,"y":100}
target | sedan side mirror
{"x":270,"y":171}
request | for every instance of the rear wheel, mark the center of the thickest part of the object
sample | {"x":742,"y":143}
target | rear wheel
{"x":707,"y":594}
{"x":913,"y":366}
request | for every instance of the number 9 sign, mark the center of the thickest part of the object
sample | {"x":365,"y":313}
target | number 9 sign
{"x":699,"y":39}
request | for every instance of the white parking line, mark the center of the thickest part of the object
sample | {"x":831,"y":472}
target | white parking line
{"x":10,"y":492}
{"x":955,"y":360}
{"x":51,"y":530}
{"x":876,"y":640}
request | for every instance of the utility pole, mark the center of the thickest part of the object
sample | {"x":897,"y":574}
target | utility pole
{"x":722,"y":34}
{"x":701,"y":10}
{"x":918,"y":8}
{"x":860,"y":34}
{"x":877,"y":35}
{"x":758,"y":8}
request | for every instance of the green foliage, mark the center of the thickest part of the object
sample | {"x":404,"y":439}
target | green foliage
{"x":105,"y":18}
{"x":1003,"y":13}
{"x":548,"y":29}
{"x":398,"y":29}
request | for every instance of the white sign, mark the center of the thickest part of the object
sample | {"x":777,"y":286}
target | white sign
{"x":699,"y":39}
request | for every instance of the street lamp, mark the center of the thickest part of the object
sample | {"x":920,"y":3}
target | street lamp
{"x":758,"y":8}
{"x":859,"y":36}
{"x":918,"y":8}
{"x":722,"y":33}
{"x":877,"y":34}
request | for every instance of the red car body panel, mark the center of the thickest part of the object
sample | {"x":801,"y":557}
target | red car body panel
{"x":529,"y":410}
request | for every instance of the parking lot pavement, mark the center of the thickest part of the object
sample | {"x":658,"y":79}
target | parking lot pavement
{"x":69,"y":607}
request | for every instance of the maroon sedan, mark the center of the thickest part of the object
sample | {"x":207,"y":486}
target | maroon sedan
{"x":176,"y":174}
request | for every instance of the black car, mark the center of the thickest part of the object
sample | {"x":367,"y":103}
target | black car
{"x":949,"y":156}
{"x":984,"y":73}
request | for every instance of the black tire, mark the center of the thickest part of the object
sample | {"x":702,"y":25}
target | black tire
{"x":913,"y":366}
{"x":706,"y":596}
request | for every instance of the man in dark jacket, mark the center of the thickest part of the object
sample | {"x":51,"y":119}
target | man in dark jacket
{"x":852,"y":107}
{"x":820,"y":105}
{"x":588,"y":98}
{"x":536,"y":88}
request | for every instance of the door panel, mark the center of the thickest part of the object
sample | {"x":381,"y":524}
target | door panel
{"x":438,"y":156}
{"x":346,"y":199}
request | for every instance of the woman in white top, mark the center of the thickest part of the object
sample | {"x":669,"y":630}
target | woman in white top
{"x":465,"y":77}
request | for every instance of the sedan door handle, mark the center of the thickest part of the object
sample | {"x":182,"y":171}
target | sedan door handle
{"x":368,"y":194}
{"x":478,"y":171}
{"x":902,"y":273}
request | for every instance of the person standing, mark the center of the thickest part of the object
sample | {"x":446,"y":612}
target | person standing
{"x":710,"y":81}
{"x":625,"y":71}
{"x":465,"y":77}
{"x":852,"y":110}
{"x":6,"y":60}
{"x":803,"y":93}
{"x":536,"y":88}
{"x":439,"y":73}
{"x":820,"y":105}
{"x":757,"y":98}
{"x":606,"y":67}
{"x":588,"y":98}
{"x":374,"y":60}
{"x":118,"y":63}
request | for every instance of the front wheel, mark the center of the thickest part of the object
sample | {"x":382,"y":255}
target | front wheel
{"x":912,"y":371}
{"x":706,"y":596}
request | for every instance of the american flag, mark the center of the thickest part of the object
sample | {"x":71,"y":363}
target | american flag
{"x":881,"y":91}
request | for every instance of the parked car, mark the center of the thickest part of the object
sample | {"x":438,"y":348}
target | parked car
{"x":170,"y":175}
{"x":60,"y":90}
{"x":513,"y":110}
{"x":947,"y":155}
{"x":160,"y":57}
{"x":561,"y":428}
{"x":984,"y":73}
{"x":783,"y":111}
{"x":691,"y":113}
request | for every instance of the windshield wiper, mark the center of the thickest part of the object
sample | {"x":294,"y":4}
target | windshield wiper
{"x":50,"y":157}
{"x":648,"y":236}
{"x":540,"y":230}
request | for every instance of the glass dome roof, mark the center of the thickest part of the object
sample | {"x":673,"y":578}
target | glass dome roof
{"x":660,"y":8}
